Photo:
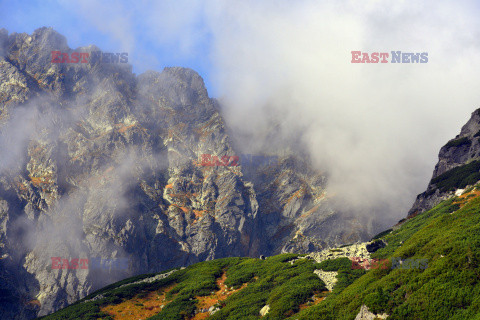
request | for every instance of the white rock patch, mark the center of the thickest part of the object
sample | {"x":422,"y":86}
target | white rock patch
{"x":328,"y":277}
{"x":355,"y":250}
{"x":264,"y":310}
{"x":366,"y":314}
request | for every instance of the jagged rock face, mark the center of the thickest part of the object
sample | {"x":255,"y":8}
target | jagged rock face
{"x":461,"y":150}
{"x":297,"y":215}
{"x":97,"y":162}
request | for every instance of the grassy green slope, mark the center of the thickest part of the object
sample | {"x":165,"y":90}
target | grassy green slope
{"x":449,"y":288}
{"x":274,"y":281}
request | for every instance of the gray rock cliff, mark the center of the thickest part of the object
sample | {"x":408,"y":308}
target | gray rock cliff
{"x":456,"y":168}
{"x":100,"y":164}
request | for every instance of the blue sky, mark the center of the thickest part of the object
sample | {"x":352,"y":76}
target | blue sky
{"x":64,"y":17}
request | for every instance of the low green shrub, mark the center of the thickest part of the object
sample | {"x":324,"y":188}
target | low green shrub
{"x":458,"y":142}
{"x":458,"y":177}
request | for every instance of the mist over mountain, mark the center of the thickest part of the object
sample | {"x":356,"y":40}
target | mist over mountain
{"x":100,"y":164}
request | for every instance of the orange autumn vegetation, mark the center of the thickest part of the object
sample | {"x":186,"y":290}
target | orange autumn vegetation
{"x":316,"y":300}
{"x":34,"y":303}
{"x":36,"y":181}
{"x":180,"y":195}
{"x":205,"y":302}
{"x":298,"y":194}
{"x":21,"y":186}
{"x":309,"y":212}
{"x":184,"y":209}
{"x":123,"y":128}
{"x":467,"y":197}
{"x":139,"y":308}
{"x":198,"y":214}
{"x":153,"y":302}
{"x":321,"y":196}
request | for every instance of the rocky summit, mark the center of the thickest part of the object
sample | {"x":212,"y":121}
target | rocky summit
{"x":457,"y":168}
{"x":99,"y":165}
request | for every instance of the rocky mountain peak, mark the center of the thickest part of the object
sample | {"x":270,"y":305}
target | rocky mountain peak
{"x":472,"y":126}
{"x":456,"y":168}
{"x":107,"y":166}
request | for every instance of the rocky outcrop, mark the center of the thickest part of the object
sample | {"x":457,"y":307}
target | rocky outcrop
{"x":366,"y":314}
{"x":356,"y":250}
{"x":359,"y":253}
{"x":265,"y":309}
{"x":328,"y":277}
{"x":459,"y":152}
{"x":375,"y":245}
{"x":98,"y":163}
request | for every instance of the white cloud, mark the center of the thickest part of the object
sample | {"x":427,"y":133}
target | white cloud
{"x":376,"y":128}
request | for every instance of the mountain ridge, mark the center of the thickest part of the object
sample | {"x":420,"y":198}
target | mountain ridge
{"x":104,"y":164}
{"x":458,"y":152}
